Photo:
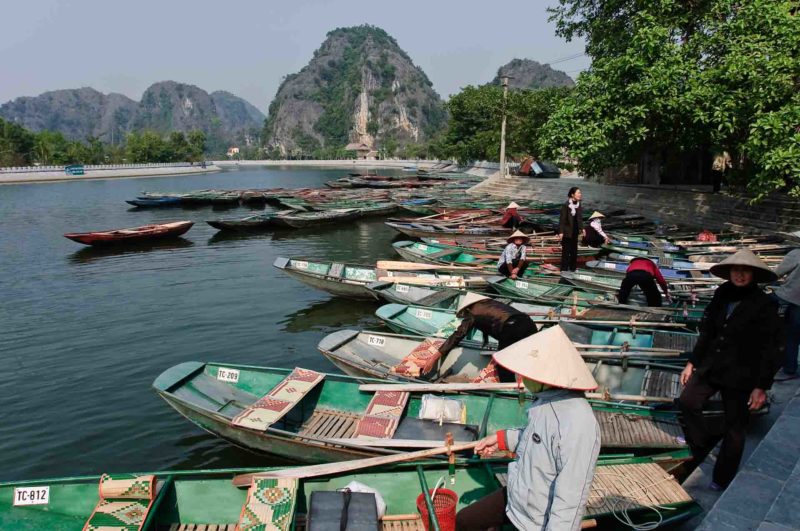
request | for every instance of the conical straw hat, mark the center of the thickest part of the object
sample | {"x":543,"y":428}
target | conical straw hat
{"x":744,"y":257}
{"x":512,"y":204}
{"x":549,"y":357}
{"x":518,"y":234}
{"x":596,"y":214}
{"x":469,"y":300}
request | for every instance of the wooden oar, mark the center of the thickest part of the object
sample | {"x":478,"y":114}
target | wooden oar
{"x":619,"y":347}
{"x":461,"y":387}
{"x":244,"y":480}
{"x":640,"y":324}
{"x":391,"y":265}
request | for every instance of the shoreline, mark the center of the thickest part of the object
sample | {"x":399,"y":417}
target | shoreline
{"x":122,"y":173}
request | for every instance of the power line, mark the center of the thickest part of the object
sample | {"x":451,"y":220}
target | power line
{"x":567,"y":58}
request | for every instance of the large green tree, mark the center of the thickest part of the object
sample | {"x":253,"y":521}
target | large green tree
{"x":681,"y":76}
{"x":473,"y":131}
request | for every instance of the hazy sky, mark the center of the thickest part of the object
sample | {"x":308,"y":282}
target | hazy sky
{"x":246,"y":47}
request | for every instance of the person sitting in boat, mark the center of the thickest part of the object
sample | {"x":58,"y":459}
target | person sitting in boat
{"x":511,"y":218}
{"x":512,"y":262}
{"x":706,"y":236}
{"x":556,"y":453}
{"x":737,"y":354}
{"x":494,"y":319}
{"x":644,"y":273}
{"x":595,"y":237}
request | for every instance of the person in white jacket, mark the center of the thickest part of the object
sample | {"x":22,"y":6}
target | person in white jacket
{"x":556,"y":453}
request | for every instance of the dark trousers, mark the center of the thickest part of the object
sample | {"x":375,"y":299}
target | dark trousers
{"x":569,"y":254}
{"x":486,"y":513}
{"x":506,"y":271}
{"x":646,"y":283}
{"x":702,"y":440}
{"x":516,"y":328}
{"x":792,"y":317}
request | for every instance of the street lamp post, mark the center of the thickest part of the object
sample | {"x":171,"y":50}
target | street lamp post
{"x":503,"y":129}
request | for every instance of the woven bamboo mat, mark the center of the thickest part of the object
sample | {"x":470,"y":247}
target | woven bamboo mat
{"x":621,"y":430}
{"x":635,"y":486}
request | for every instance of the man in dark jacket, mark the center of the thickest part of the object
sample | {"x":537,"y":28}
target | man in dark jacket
{"x":737,"y":355}
{"x":495,"y":319}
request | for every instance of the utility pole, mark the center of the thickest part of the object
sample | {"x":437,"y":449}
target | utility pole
{"x":503,"y":130}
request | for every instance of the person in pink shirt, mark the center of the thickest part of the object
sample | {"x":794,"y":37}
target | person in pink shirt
{"x":644,"y":273}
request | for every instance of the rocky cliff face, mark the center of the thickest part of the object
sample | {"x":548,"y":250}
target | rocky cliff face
{"x":359,"y":87}
{"x":166,"y":106}
{"x":528,"y":74}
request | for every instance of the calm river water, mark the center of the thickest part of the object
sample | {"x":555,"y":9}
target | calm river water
{"x":84,"y":333}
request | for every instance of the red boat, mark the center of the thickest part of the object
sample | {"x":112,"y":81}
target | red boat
{"x":136,"y":234}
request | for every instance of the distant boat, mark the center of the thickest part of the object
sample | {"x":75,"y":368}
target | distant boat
{"x":155,"y":202}
{"x":135,"y":234}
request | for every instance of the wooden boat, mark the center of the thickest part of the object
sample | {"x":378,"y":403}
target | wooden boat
{"x":249,"y":223}
{"x":350,"y":280}
{"x":546,"y":290}
{"x":690,"y":292}
{"x":673,"y":263}
{"x":419,"y":230}
{"x":135,"y":234}
{"x":158,"y":202}
{"x":619,"y":268}
{"x":204,"y":500}
{"x":658,"y":345}
{"x":324,"y":425}
{"x":299,"y":220}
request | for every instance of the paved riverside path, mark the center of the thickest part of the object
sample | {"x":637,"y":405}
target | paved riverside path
{"x":102,"y":172}
{"x":765,"y":495}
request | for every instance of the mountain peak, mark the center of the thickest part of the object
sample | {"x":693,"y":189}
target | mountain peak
{"x":359,"y":86}
{"x":529,"y":74}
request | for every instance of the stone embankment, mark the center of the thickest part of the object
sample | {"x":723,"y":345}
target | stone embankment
{"x":47,"y":174}
{"x":679,"y":205}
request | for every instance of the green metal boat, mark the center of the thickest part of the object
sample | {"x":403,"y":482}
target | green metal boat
{"x":351,"y":280}
{"x":208,"y":500}
{"x":323,"y":426}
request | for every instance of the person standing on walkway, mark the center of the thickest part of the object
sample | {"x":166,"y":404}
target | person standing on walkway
{"x":556,"y":453}
{"x":570,"y":229}
{"x":644,"y":273}
{"x":737,"y":355}
{"x":494,"y":319}
{"x":595,"y":236}
{"x":511,"y":218}
{"x":513,"y":262}
{"x":788,"y":294}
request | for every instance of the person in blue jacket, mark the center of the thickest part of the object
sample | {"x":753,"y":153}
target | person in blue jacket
{"x":556,"y":453}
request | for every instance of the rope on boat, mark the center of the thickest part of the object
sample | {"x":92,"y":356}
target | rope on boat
{"x":621,"y":513}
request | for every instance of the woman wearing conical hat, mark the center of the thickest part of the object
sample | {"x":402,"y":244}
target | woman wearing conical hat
{"x":511,"y":218}
{"x":513,"y":262}
{"x":737,"y":355}
{"x":494,"y":319}
{"x":556,"y":453}
{"x":595,"y":236}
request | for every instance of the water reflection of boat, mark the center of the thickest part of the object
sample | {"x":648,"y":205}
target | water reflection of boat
{"x":90,"y":254}
{"x":331,"y":314}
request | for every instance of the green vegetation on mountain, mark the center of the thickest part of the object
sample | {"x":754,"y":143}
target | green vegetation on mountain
{"x":528,"y":74}
{"x":360,"y":86}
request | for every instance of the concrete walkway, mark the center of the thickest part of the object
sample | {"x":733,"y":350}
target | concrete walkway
{"x":60,"y":176}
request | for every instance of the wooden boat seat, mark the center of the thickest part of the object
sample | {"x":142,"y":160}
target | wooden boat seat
{"x":618,"y":430}
{"x":435,"y":298}
{"x":661,"y":383}
{"x":330,"y":423}
{"x":629,"y":486}
{"x":270,"y":408}
{"x":680,"y":342}
{"x":336,"y":270}
{"x":400,"y":522}
{"x":196,"y":527}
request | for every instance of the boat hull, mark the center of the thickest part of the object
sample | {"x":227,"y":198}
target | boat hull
{"x":133,"y":235}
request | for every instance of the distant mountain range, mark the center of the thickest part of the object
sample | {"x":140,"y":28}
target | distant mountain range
{"x":359,"y":88}
{"x":165,"y":106}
